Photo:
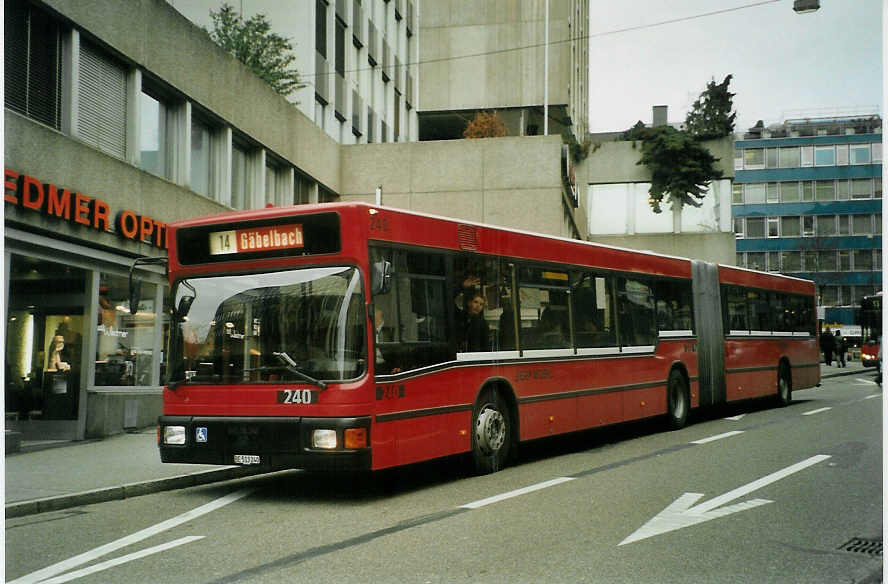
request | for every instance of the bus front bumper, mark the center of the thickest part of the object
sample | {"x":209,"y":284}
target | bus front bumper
{"x":334,"y":444}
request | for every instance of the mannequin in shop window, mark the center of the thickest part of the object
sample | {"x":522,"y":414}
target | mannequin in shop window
{"x":59,"y":355}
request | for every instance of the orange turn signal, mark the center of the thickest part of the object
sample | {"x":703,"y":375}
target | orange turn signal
{"x":355,"y":438}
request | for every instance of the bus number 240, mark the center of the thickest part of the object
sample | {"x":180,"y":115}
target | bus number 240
{"x":296,"y":396}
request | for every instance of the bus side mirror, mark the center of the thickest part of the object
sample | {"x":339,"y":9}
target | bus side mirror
{"x":381,"y":278}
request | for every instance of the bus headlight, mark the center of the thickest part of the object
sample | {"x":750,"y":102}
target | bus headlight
{"x":325,"y":439}
{"x":174,"y":435}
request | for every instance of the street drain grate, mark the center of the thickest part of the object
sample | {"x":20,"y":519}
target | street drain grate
{"x":862,"y":545}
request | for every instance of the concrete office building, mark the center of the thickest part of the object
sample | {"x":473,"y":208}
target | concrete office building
{"x":357,"y":59}
{"x":477,"y":56}
{"x":807,"y":201}
{"x":114,"y":128}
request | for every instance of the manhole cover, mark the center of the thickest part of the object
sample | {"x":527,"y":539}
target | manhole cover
{"x":862,"y":545}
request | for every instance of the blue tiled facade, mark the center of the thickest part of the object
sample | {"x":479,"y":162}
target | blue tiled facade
{"x":807,"y":202}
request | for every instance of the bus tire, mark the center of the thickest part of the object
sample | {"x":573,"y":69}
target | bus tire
{"x":491,"y":433}
{"x":678,"y":401}
{"x":784,"y":385}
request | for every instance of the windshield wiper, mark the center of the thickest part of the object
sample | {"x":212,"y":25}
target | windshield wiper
{"x":292,"y":367}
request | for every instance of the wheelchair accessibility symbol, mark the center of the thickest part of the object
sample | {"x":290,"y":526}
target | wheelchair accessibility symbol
{"x":201,"y":434}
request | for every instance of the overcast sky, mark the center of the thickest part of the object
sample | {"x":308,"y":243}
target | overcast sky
{"x":784,"y":64}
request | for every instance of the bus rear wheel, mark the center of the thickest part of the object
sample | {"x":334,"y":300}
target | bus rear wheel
{"x":491,"y":433}
{"x":679,"y":401}
{"x":784,"y":385}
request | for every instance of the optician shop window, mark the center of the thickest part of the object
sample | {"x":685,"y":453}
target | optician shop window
{"x":124,"y":341}
{"x":45,"y":333}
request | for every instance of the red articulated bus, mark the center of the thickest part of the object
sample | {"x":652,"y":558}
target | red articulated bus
{"x":871,"y":329}
{"x":356,"y":337}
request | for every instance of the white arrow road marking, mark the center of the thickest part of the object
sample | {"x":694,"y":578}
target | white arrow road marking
{"x":79,"y":560}
{"x":875,"y":395}
{"x":681,"y":512}
{"x":121,"y":560}
{"x":717,"y":437}
{"x":736,"y":418}
{"x":818,"y":411}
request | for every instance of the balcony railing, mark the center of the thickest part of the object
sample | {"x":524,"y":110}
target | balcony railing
{"x":322,"y":78}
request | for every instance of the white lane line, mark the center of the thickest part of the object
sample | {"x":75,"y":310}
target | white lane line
{"x":515,"y":493}
{"x":717,"y":437}
{"x":865,"y":381}
{"x":736,"y":418}
{"x":875,"y":395}
{"x":812,"y":412}
{"x":79,"y":560}
{"x":121,"y":560}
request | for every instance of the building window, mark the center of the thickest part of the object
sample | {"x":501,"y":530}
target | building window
{"x":877,"y":151}
{"x":239,"y":176}
{"x":860,"y":154}
{"x":842,"y":154}
{"x":741,"y":260}
{"x":773,"y":261}
{"x":738,"y":227}
{"x":789,"y":157}
{"x":201,"y":157}
{"x":863,"y":260}
{"x":771,"y":158}
{"x":825,"y":190}
{"x":862,"y":224}
{"x":844,"y":222}
{"x":843,"y":190}
{"x":861,"y":188}
{"x":753,"y":158}
{"x":738,"y":159}
{"x":791,"y":226}
{"x":809,"y":261}
{"x":153,"y":134}
{"x":877,"y":224}
{"x":124,"y":347}
{"x":877,"y":187}
{"x":807,"y":155}
{"x":737,"y":194}
{"x":826,"y":225}
{"x":829,"y":295}
{"x":755,"y":260}
{"x":755,"y":227}
{"x":789,"y":192}
{"x":321,"y":27}
{"x":102,"y":98}
{"x":844,"y":261}
{"x":33,"y":63}
{"x":828,"y":261}
{"x":808,"y":225}
{"x":301,"y":190}
{"x":807,"y":191}
{"x":773,"y":193}
{"x":773,"y":226}
{"x":824,"y":156}
{"x":754,"y":193}
{"x":791,"y":261}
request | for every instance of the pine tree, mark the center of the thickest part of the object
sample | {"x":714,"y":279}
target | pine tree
{"x":711,"y":116}
{"x":268,"y":55}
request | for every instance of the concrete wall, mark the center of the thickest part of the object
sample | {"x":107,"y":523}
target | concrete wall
{"x":151,"y":34}
{"x":615,"y":189}
{"x":452,"y":28}
{"x":109,"y":412}
{"x":511,"y":182}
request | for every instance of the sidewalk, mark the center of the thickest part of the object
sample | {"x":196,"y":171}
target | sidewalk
{"x":47,"y":476}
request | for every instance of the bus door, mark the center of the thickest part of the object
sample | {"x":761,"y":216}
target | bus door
{"x":710,"y":333}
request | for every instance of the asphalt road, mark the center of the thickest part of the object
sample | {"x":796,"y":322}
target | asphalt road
{"x":754,"y":494}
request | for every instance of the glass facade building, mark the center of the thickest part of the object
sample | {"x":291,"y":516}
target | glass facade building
{"x":807,"y":202}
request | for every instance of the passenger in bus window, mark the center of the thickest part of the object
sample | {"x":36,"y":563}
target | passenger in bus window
{"x":384,"y":334}
{"x":473,"y":332}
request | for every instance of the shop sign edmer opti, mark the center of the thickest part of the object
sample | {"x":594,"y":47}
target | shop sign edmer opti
{"x":51,"y":200}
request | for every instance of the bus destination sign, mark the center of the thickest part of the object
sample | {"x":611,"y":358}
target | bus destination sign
{"x":257,"y":239}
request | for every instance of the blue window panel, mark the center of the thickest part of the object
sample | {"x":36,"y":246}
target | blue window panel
{"x":809,"y":243}
{"x":808,"y":173}
{"x":808,"y":208}
{"x":808,"y":141}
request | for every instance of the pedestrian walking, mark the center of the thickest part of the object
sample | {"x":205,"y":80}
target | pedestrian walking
{"x":827,"y":345}
{"x":841,"y":348}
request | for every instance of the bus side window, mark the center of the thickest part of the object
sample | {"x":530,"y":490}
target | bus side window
{"x":674,"y":305}
{"x":759,"y":310}
{"x":736,"y":313}
{"x":593,"y":312}
{"x":635,"y":309}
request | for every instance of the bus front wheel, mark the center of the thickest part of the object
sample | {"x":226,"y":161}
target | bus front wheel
{"x":678,"y":399}
{"x":491,"y":433}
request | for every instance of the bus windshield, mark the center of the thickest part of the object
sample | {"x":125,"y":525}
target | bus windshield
{"x":304,"y":325}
